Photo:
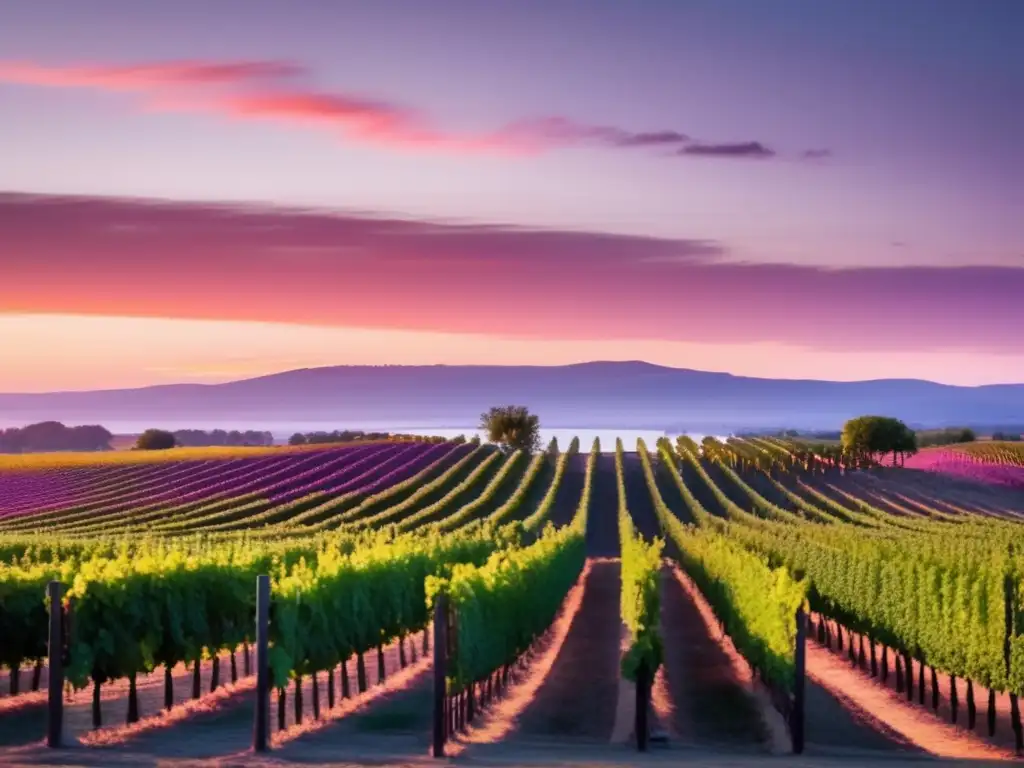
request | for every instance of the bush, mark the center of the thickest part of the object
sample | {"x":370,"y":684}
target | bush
{"x":155,"y":440}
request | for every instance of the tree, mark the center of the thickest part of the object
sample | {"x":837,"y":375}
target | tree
{"x":155,"y":440}
{"x":91,"y":437}
{"x":872,"y":437}
{"x":904,"y":442}
{"x":512,"y":427}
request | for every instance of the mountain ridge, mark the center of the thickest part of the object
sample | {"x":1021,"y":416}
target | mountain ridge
{"x":594,"y":393}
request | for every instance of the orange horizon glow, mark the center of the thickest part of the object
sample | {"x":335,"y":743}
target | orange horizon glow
{"x":44,"y":353}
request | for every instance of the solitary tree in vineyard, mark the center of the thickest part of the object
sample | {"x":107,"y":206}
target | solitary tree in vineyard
{"x":512,"y":427}
{"x":877,"y":436}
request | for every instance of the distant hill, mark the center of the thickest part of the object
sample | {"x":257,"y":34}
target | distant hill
{"x":597,"y":395}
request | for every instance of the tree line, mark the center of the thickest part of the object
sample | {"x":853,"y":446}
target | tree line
{"x":925,"y":437}
{"x":198,"y":438}
{"x":48,"y":436}
{"x":947,"y":436}
{"x":357,"y":435}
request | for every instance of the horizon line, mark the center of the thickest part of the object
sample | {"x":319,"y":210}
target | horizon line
{"x":635,"y":362}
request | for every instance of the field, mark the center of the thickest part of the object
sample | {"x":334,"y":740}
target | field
{"x":1000,"y":463}
{"x":755,"y":581}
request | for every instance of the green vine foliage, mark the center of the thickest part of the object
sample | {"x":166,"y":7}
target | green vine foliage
{"x":504,"y":605}
{"x":937,"y":591}
{"x":755,"y":603}
{"x":149,"y":603}
{"x":348,"y":604}
{"x":131,"y":613}
{"x":640,"y":600}
{"x":24,"y":613}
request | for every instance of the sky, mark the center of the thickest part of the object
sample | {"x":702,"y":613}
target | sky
{"x":204,"y":191}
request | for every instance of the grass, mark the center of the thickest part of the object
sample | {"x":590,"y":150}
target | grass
{"x":66,"y":459}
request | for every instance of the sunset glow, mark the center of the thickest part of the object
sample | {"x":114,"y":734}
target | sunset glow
{"x":115,"y":352}
{"x":323,"y":191}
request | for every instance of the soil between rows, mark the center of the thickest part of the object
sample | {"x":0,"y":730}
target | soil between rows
{"x":709,"y":703}
{"x":577,"y":700}
{"x":578,"y":697}
{"x":567,"y":497}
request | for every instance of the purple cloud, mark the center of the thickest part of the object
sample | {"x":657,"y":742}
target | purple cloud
{"x":652,"y":139}
{"x":107,"y":256}
{"x":746,"y":149}
{"x":268,"y":91}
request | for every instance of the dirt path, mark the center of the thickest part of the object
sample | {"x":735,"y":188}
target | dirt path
{"x":944,"y":493}
{"x":397,"y":719}
{"x":27,"y":724}
{"x":670,"y":492}
{"x":577,"y":699}
{"x":836,"y":723}
{"x":534,"y":755}
{"x":970,"y":492}
{"x":638,"y":498}
{"x":700,"y":490}
{"x":507,"y":488}
{"x":567,"y":498}
{"x":603,"y":517}
{"x":229,"y":730}
{"x":921,"y":725}
{"x":538,"y":488}
{"x":709,"y":706}
{"x":910,"y":726}
{"x":726,"y":485}
{"x":800,"y":485}
{"x":766,"y":488}
{"x":834,"y":486}
{"x":220,"y":726}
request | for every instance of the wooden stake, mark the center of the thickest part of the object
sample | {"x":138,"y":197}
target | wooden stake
{"x":55,"y":660}
{"x":261,"y":725}
{"x":440,"y":724}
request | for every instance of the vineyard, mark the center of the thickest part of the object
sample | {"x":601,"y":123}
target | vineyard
{"x":380,"y":599}
{"x":1001,"y":463}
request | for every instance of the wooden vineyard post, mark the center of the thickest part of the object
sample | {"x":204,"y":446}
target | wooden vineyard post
{"x":262,"y":716}
{"x":55,"y":659}
{"x":1018,"y":732}
{"x":440,"y":673}
{"x":1009,"y":593}
{"x":640,"y":723}
{"x":796,"y":716}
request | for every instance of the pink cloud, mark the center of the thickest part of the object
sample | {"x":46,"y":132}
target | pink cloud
{"x":366,"y":120}
{"x":144,"y":258}
{"x":266,"y":91}
{"x":143,"y":77}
